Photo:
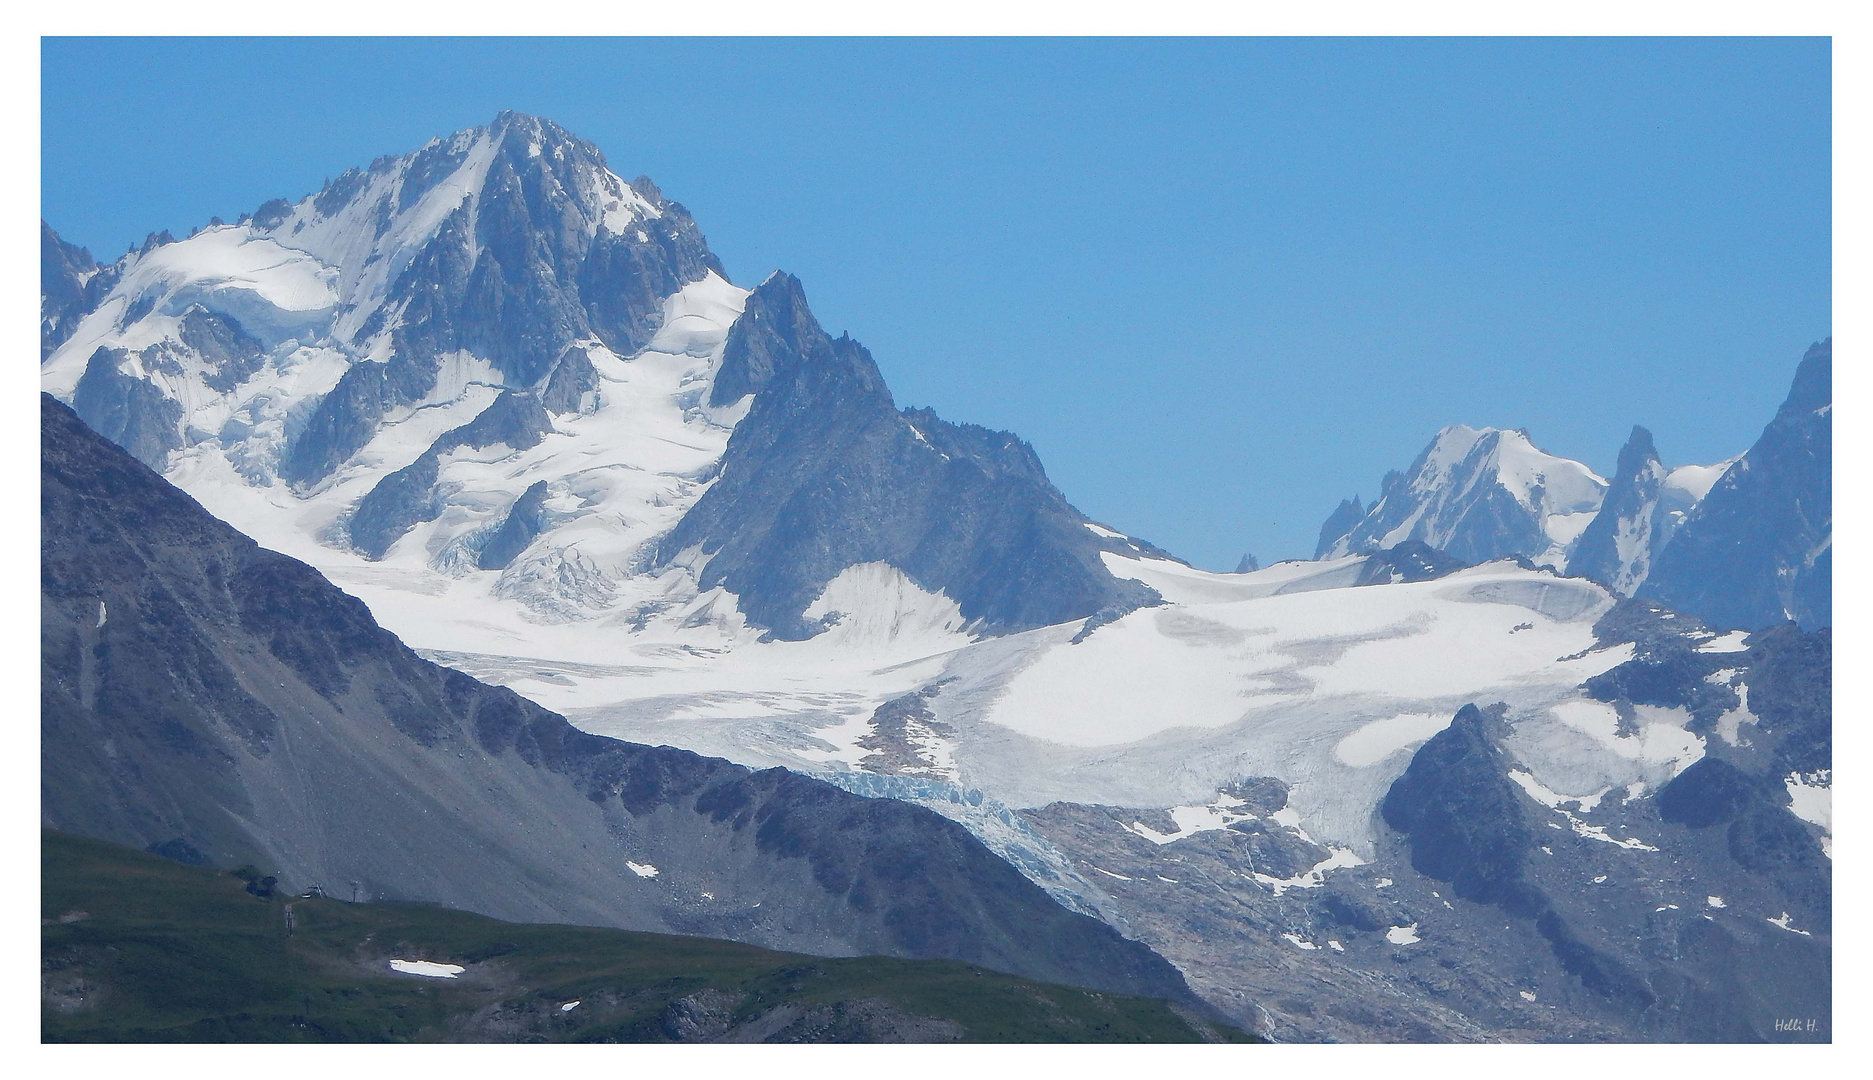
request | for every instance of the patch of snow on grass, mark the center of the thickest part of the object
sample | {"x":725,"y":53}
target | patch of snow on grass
{"x":643,"y":870}
{"x":1403,"y":935}
{"x":1714,"y":901}
{"x":1298,"y":942}
{"x":569,"y":1006}
{"x":427,"y":968}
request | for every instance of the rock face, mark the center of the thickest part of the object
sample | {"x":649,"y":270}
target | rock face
{"x":1477,"y":494}
{"x":825,"y":473}
{"x":70,"y":286}
{"x":1644,"y":507}
{"x":1411,"y":560}
{"x":1344,"y":517}
{"x":526,"y":520}
{"x":408,"y":496}
{"x":127,"y":410}
{"x":203,"y":693}
{"x":1616,"y":547}
{"x":1465,"y":819}
{"x":1759,"y":549}
{"x":552,"y":251}
{"x":1653,"y":953}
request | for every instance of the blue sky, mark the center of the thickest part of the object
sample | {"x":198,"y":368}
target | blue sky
{"x":1218,"y":284}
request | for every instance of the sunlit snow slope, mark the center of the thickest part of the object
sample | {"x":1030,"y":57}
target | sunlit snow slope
{"x":1291,"y":672}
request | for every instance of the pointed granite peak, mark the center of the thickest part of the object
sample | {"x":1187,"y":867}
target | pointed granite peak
{"x":1341,"y":522}
{"x":1813,"y":387}
{"x":1636,"y":454}
{"x":776,"y":329}
{"x":1617,"y":546}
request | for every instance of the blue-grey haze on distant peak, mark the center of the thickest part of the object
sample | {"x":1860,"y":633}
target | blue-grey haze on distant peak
{"x":1218,"y":284}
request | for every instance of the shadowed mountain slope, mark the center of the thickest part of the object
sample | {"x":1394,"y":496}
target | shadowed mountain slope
{"x":220,"y":701}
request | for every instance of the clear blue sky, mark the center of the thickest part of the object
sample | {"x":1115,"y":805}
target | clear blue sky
{"x":1218,"y":284}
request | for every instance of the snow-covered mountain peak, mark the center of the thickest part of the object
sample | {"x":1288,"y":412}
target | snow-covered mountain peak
{"x":1480,"y":494}
{"x":1462,"y":456}
{"x":372,"y":224}
{"x":492,"y":371}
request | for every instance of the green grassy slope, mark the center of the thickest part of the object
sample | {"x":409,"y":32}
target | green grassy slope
{"x":139,"y":948}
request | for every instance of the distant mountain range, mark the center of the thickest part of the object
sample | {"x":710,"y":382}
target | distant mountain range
{"x":1523,"y":753}
{"x":1753,"y":534}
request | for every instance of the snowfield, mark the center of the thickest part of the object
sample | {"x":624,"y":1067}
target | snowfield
{"x":1285,"y":672}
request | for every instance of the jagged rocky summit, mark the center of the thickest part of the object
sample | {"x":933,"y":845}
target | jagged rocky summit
{"x":1644,"y":506}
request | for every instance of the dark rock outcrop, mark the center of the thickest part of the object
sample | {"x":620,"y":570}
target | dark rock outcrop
{"x":230,"y":353}
{"x":1641,"y":932}
{"x":1759,"y":549}
{"x":1666,"y":668}
{"x":1791,"y":692}
{"x":1760,"y":833}
{"x":196,"y":688}
{"x":409,"y":495}
{"x":1468,"y":824}
{"x":71,"y":285}
{"x":128,"y":410}
{"x":825,"y":473}
{"x":1409,"y":560}
{"x":525,"y":520}
{"x":572,"y":378}
{"x":1464,"y":816}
